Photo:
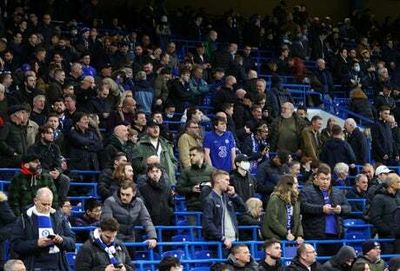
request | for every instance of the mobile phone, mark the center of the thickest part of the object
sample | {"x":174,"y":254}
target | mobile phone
{"x":333,"y":205}
{"x":51,"y":236}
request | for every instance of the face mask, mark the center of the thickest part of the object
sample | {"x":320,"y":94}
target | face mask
{"x":170,"y":115}
{"x":357,"y":68}
{"x":245,"y":165}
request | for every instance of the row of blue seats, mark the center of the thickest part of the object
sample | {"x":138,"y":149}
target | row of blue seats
{"x":196,"y":254}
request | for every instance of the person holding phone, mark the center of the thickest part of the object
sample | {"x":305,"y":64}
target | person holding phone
{"x":323,"y":208}
{"x":103,"y":251}
{"x":41,"y":236}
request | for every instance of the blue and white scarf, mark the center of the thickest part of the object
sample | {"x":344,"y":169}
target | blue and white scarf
{"x":45,"y":228}
{"x":109,"y":249}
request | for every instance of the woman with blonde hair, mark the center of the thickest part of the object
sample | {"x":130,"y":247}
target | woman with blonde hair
{"x":282,"y":220}
{"x":253,"y":216}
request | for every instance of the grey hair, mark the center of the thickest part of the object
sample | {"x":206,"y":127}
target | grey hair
{"x":341,"y":168}
{"x":10,"y":264}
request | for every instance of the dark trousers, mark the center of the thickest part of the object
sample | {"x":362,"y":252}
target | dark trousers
{"x":328,"y":249}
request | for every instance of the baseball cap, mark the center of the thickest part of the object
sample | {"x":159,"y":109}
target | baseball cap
{"x":382,"y":169}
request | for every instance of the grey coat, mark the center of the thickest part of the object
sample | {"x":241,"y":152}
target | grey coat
{"x":128,"y":216}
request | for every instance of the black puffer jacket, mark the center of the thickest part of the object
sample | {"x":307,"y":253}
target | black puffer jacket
{"x":296,"y":265}
{"x":12,"y":141}
{"x":312,"y":201}
{"x":159,"y":201}
{"x":338,"y":262}
{"x":92,"y":258}
{"x":381,"y":212}
{"x":49,"y":154}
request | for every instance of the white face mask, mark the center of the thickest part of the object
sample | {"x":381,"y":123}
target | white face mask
{"x":245,"y":165}
{"x":170,"y":115}
{"x":357,"y":68}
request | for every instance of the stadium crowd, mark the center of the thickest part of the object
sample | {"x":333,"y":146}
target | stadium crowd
{"x":157,"y":120}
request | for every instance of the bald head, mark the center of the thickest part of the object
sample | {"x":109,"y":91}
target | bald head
{"x":349,"y":125}
{"x":43,"y":200}
{"x":121,"y":132}
{"x":240,"y":93}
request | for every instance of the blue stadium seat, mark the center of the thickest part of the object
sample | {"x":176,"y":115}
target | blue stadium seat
{"x":180,"y":254}
{"x":181,"y":238}
{"x":71,"y":259}
{"x":146,"y":255}
{"x":200,"y":268}
{"x":202,"y":254}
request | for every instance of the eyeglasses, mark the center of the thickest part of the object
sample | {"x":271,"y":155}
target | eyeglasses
{"x":194,"y":127}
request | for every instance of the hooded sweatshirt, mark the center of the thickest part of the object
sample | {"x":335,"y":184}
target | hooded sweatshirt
{"x":338,"y":262}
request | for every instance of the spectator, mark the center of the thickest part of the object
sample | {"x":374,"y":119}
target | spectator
{"x":118,"y":142}
{"x":106,"y":176}
{"x":39,"y":113}
{"x":371,"y":255}
{"x":91,"y":216}
{"x":14,"y":265}
{"x":198,"y":86}
{"x":41,"y":236}
{"x":323,"y":208}
{"x":123,"y":171}
{"x":144,"y":92}
{"x":153,"y":144}
{"x":26,"y":93}
{"x":282,"y":220}
{"x":273,"y":253}
{"x":25,"y":184}
{"x":357,"y":141}
{"x":103,"y":251}
{"x":84,"y":144}
{"x":341,"y":174}
{"x":382,"y":138}
{"x":277,"y":96}
{"x":179,"y":91}
{"x":369,"y":171}
{"x":139,"y":123}
{"x":219,"y":218}
{"x":342,"y":261}
{"x":343,"y":65}
{"x":240,"y":259}
{"x":322,"y":80}
{"x":13,"y":141}
{"x":256,"y":146}
{"x":157,"y":196}
{"x":170,"y":263}
{"x":241,"y":179}
{"x":7,"y":219}
{"x":188,"y":140}
{"x":288,"y":139}
{"x":254,"y":214}
{"x":129,"y":211}
{"x":326,"y":133}
{"x":100,"y":104}
{"x":124,"y":115}
{"x":220,"y":146}
{"x":337,"y":150}
{"x":381,"y":212}
{"x":311,"y":138}
{"x":305,"y":259}
{"x":270,"y":172}
{"x":226,"y":94}
{"x":193,"y":178}
{"x":55,"y":89}
{"x":358,"y":191}
{"x":360,"y":104}
{"x":50,"y":158}
{"x":384,"y":98}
